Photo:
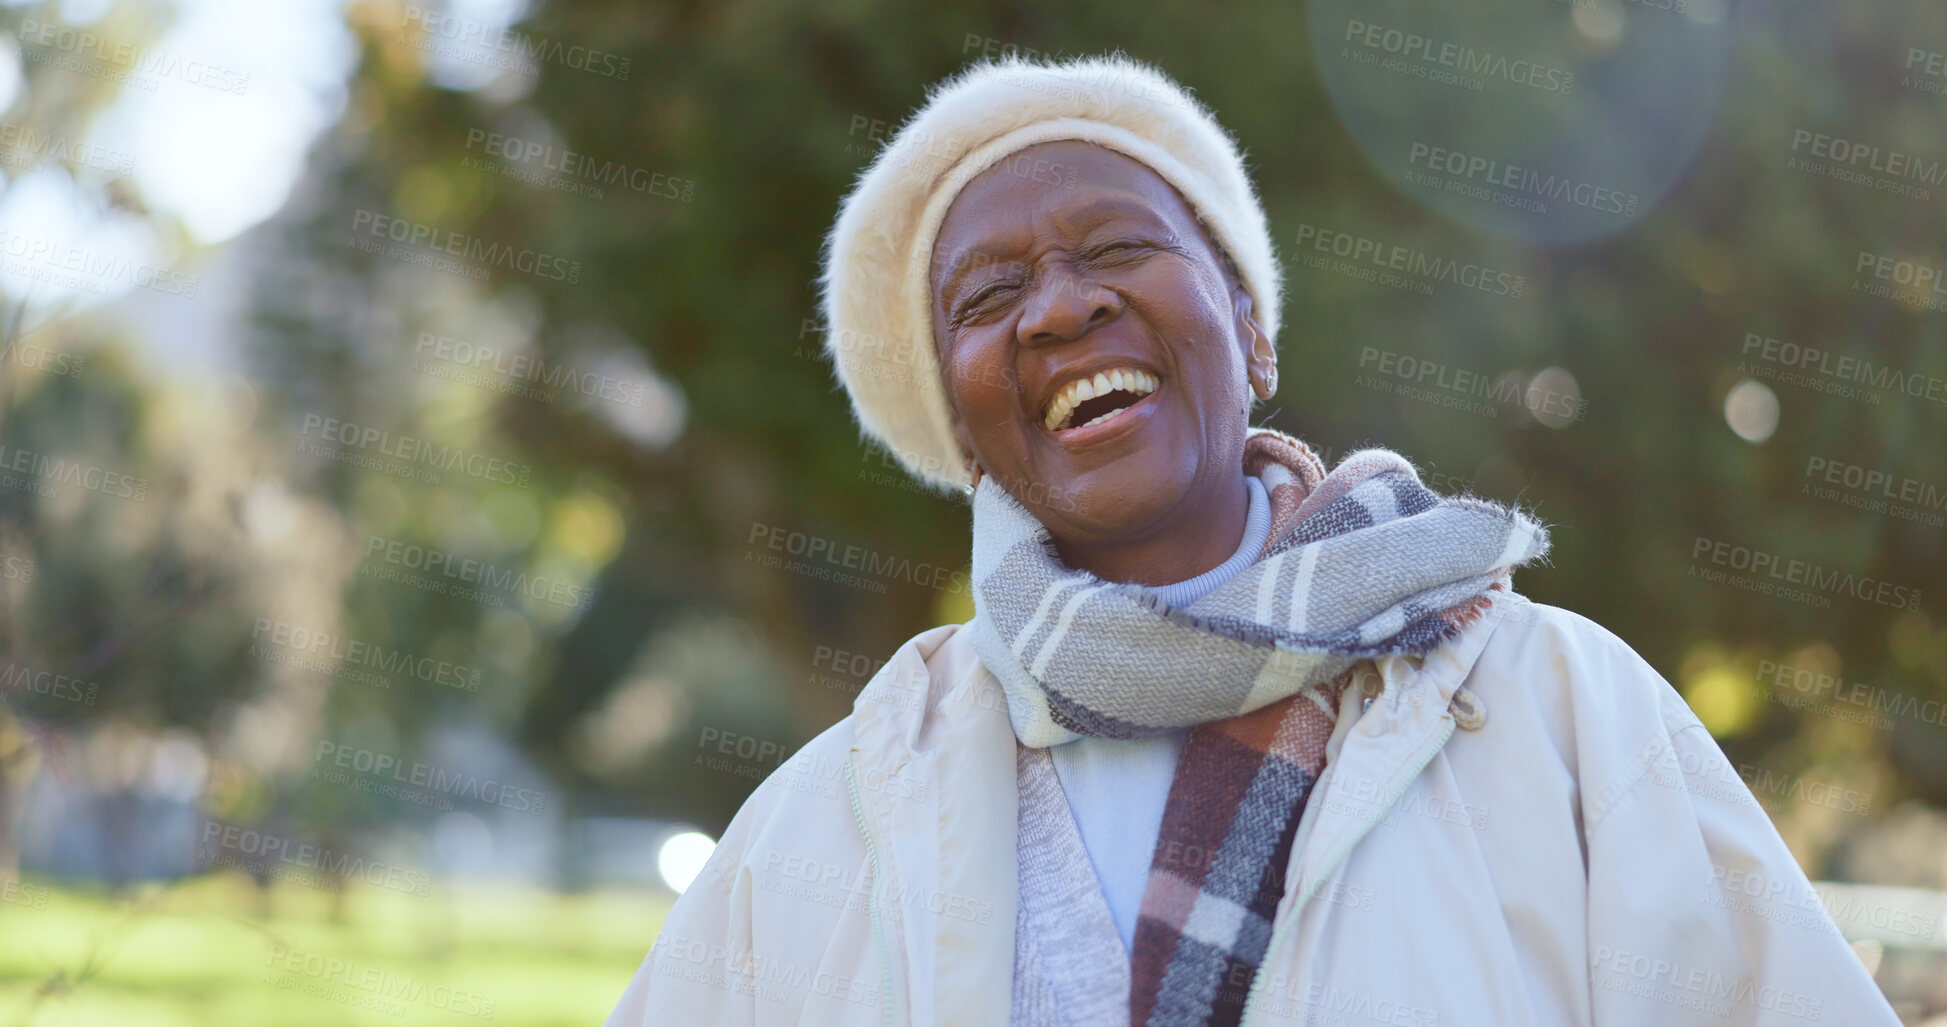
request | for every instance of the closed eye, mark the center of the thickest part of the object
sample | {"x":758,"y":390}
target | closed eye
{"x":1120,"y":250}
{"x":985,"y":294}
{"x":975,"y":304}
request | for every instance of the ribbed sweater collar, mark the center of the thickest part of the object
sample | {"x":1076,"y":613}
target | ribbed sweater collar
{"x":1257,"y":528}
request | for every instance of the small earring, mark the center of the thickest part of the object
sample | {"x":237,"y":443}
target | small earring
{"x":974,"y":467}
{"x":1270,"y":383}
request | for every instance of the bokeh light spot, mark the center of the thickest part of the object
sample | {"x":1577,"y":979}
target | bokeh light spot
{"x":1751,"y":409}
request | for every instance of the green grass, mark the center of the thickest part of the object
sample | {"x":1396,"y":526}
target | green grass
{"x":214,"y":951}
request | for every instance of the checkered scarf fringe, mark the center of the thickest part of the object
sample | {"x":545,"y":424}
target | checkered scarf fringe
{"x":1359,"y":563}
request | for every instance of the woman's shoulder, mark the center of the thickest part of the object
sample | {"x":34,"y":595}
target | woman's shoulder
{"x":801,"y":802}
{"x":913,"y":688}
{"x":930,"y":683}
{"x":1552,"y":642}
{"x":1591,"y":689}
{"x":1578,"y":636}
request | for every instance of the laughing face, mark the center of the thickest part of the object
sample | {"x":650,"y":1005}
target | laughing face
{"x":1095,"y":347}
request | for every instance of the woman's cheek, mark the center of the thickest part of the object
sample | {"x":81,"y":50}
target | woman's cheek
{"x":982,"y":380}
{"x":996,"y":377}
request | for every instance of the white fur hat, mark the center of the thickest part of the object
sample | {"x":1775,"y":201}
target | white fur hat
{"x":879,"y":330}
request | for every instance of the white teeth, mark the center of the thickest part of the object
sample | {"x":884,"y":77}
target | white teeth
{"x":1123,"y":379}
{"x":1099,"y":418}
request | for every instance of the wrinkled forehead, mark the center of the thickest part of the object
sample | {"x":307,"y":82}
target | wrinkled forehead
{"x":1068,"y":185}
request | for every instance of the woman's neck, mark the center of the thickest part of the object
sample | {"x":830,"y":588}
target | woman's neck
{"x":1200,"y":537}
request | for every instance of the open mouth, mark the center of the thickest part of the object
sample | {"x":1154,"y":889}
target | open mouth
{"x":1090,"y":401}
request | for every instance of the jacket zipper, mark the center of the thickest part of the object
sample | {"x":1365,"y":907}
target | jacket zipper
{"x":872,"y":859}
{"x":1280,"y":931}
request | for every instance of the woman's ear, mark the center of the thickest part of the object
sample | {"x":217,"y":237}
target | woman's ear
{"x":1260,"y":357}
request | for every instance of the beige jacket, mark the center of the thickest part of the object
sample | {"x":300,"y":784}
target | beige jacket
{"x":1579,"y":852}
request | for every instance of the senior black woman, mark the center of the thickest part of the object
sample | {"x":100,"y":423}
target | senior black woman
{"x":1229,"y":738}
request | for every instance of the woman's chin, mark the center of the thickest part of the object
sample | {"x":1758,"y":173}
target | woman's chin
{"x":1112,"y":503}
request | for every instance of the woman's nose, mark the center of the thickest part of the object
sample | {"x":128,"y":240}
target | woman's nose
{"x":1065,"y":305}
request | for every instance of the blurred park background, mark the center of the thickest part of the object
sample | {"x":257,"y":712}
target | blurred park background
{"x":404,"y":402}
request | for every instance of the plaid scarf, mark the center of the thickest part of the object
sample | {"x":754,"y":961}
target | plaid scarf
{"x":1360,"y":563}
